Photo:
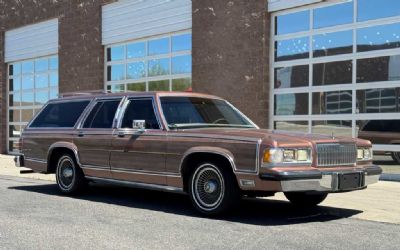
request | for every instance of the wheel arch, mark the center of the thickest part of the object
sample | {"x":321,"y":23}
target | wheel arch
{"x":56,"y":150}
{"x":200,"y":154}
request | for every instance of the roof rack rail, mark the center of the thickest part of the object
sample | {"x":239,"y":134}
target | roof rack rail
{"x":83,"y":93}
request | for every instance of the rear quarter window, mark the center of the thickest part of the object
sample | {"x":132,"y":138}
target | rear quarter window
{"x":60,"y":115}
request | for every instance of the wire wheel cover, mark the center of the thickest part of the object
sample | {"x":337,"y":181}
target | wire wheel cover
{"x":208,"y":186}
{"x":66,"y":173}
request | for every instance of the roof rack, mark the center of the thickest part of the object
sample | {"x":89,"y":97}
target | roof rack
{"x":83,"y":93}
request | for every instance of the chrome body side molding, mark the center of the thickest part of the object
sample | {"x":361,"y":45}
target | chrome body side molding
{"x":138,"y":185}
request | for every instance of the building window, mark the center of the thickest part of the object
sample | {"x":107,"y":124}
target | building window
{"x":335,"y":65}
{"x":31,"y":84}
{"x":161,"y":63}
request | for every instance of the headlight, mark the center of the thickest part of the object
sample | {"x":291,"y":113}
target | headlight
{"x":286,"y":155}
{"x":364,"y":154}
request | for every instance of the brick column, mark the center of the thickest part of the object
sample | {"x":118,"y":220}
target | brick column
{"x":231,"y":53}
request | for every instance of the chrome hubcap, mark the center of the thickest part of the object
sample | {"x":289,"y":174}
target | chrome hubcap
{"x":66,"y":173}
{"x":208,"y":187}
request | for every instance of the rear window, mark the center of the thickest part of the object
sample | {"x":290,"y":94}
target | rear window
{"x":59,"y":115}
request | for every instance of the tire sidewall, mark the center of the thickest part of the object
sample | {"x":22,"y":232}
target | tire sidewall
{"x":73,"y":187}
{"x":227,"y":188}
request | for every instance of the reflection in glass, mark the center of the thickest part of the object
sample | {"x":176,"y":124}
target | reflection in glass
{"x":53,"y":63}
{"x":182,"y":42}
{"x":293,"y":22}
{"x":41,"y":97}
{"x":116,"y":72}
{"x":292,"y":77}
{"x":27,"y":82}
{"x":333,"y":15}
{"x":135,"y":50}
{"x":386,"y":68}
{"x":332,"y":73}
{"x":136,"y":70}
{"x":14,"y":130}
{"x":27,"y":67}
{"x":53,"y":78}
{"x":16,"y":83}
{"x":41,"y":81}
{"x":159,"y":67}
{"x":182,"y":64}
{"x":115,"y":88}
{"x":291,"y":104}
{"x":140,"y":86}
{"x":27,"y":99}
{"x":160,"y":46}
{"x":41,"y":65}
{"x":184,"y":84}
{"x":14,"y":69}
{"x":374,"y":9}
{"x":381,"y":126}
{"x":15,"y":99}
{"x":333,"y":43}
{"x":291,"y":49}
{"x":116,"y":53}
{"x":159,"y":85}
{"x":295,"y":126}
{"x":26,"y":115}
{"x":378,"y":100}
{"x":53,"y":94}
{"x":334,"y":102}
{"x":378,"y":37}
{"x":337,"y":128}
{"x":14,"y":115}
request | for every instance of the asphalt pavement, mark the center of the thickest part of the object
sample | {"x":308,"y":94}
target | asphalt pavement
{"x":34,"y":215}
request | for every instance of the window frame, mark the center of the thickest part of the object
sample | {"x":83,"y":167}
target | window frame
{"x":93,"y":104}
{"x":60,"y":102}
{"x":125,"y":106}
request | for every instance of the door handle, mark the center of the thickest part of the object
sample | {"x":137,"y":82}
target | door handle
{"x":80,"y":134}
{"x":121,"y":134}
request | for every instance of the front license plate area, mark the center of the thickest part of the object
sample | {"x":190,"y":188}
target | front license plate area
{"x":350,"y":181}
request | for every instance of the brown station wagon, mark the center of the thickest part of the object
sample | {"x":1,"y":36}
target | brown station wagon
{"x":191,"y":143}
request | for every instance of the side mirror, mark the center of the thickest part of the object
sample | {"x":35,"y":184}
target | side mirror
{"x":139,"y":125}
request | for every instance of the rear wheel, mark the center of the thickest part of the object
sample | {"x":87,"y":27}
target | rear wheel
{"x":302,"y":199}
{"x":396,"y":157}
{"x":70,"y":178}
{"x":213,"y":189}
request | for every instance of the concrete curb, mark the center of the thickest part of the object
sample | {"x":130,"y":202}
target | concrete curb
{"x":390,"y":177}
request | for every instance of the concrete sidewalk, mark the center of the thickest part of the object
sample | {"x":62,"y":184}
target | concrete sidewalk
{"x":379,"y":202}
{"x":7,"y":167}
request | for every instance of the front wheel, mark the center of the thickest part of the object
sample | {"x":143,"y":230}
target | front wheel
{"x":302,"y":199}
{"x":70,"y":178}
{"x":213,"y":189}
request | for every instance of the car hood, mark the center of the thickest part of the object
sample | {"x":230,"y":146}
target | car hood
{"x":272,"y":137}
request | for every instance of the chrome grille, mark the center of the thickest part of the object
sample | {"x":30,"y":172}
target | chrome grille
{"x":336,"y":154}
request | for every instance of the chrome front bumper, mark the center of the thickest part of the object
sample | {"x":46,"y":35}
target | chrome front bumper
{"x":317,"y":181}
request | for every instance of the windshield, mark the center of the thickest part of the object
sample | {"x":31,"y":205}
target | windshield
{"x":192,"y":112}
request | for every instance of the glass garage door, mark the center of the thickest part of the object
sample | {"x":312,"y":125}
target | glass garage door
{"x":335,"y":68}
{"x":31,"y":83}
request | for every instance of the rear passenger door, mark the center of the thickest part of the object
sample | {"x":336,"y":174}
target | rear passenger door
{"x":94,"y":137}
{"x":139,"y":155}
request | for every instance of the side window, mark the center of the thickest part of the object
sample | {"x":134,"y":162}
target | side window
{"x":60,"y":115}
{"x":102,"y":115}
{"x":140,"y":109}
